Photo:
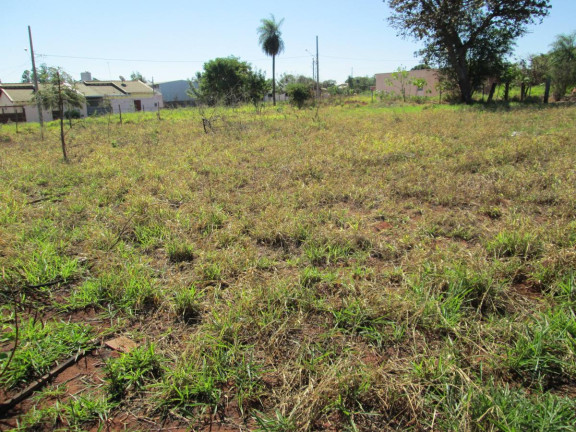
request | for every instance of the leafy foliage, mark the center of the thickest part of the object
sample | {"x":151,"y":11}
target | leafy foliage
{"x":59,"y":93}
{"x":40,"y":346}
{"x":44,"y":74}
{"x":299,"y":94}
{"x":563,"y":64}
{"x":137,"y":76}
{"x":230,"y":81}
{"x":360,"y":84}
{"x":468,"y":40}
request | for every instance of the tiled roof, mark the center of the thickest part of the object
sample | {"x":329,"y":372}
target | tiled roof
{"x":99,"y":89}
{"x":18,"y":93}
{"x":23,"y":92}
{"x":113,"y":88}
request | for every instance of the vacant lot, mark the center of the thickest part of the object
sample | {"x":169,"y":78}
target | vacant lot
{"x":356,"y":268}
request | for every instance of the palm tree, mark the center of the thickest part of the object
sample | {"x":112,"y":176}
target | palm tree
{"x":270,"y":38}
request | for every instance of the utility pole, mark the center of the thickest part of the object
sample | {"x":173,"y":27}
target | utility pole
{"x":313,"y":65}
{"x":40,"y":115}
{"x":313,"y":69}
{"x":317,"y":71}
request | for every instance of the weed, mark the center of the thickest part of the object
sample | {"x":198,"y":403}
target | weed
{"x":85,"y":409}
{"x":212,"y":272}
{"x":325,"y":253}
{"x":512,"y":409}
{"x":188,"y":388}
{"x":132,"y":291}
{"x":544,"y":350}
{"x":514,"y":244}
{"x":180,"y":252}
{"x":150,"y":235}
{"x":40,"y":346}
{"x":276,"y":423}
{"x":132,"y":371}
{"x":186,"y":304}
{"x":312,"y":276}
{"x":211,"y":221}
{"x":46,"y":265}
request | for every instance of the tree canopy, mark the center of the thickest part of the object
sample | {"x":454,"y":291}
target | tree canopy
{"x":44,"y":74}
{"x":361,"y":83}
{"x":562,"y":63}
{"x":467,"y":39}
{"x":137,"y":76}
{"x":230,"y":81}
{"x":287,"y":79}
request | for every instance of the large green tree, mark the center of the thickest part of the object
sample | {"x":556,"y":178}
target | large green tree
{"x":563,"y":64}
{"x":467,"y":38}
{"x":44,"y":74}
{"x":270,"y":38}
{"x":361,"y":83}
{"x":287,"y":79}
{"x":229,"y":81}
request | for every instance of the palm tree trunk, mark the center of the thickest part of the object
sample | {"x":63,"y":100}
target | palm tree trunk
{"x":274,"y":79}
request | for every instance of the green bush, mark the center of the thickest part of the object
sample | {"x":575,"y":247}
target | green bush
{"x":299,"y":94}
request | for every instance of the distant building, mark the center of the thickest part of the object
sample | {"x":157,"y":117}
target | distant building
{"x":280,"y":97}
{"x":175,"y":93}
{"x":386,"y":83}
{"x":118,"y":96}
{"x":16,"y":100}
{"x":17,"y":105}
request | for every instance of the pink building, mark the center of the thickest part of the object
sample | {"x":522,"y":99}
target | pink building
{"x":385,"y":82}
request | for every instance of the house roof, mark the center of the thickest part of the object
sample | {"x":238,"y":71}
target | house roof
{"x":99,"y":89}
{"x":112,"y":88}
{"x":18,"y":93}
{"x":22,"y":93}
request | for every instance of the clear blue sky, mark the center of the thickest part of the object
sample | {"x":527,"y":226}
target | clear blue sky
{"x":171,"y":40}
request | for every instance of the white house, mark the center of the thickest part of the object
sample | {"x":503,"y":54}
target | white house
{"x":119,"y":96}
{"x":16,"y":100}
{"x":16,"y":104}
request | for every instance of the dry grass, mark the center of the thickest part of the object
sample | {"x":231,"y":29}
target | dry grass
{"x":366,"y":268}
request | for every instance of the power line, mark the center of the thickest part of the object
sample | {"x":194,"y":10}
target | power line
{"x":366,"y":60}
{"x":203,"y":61}
{"x":146,"y":60}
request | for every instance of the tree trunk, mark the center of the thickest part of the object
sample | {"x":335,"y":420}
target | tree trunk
{"x":506,"y":91}
{"x":492,"y":91}
{"x":274,"y":79}
{"x":61,"y":107}
{"x":62,"y":136}
{"x":463,"y":76}
{"x":547,"y":90}
{"x":522,"y":92}
{"x":465,"y":90}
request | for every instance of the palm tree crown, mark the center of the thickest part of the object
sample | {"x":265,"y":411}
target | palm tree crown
{"x":270,"y":38}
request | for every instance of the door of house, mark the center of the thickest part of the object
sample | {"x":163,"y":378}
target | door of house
{"x":138,"y":105}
